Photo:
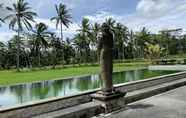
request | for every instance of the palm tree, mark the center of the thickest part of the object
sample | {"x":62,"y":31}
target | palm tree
{"x":142,"y":37}
{"x":63,"y":18}
{"x":111,"y":23}
{"x":56,"y":49}
{"x":121,"y":37}
{"x":20,"y":15}
{"x":40,"y":34}
{"x":69,"y":51}
{"x":94,"y":35}
{"x":83,"y":39}
{"x":80,"y":45}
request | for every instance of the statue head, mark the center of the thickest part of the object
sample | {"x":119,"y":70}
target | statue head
{"x":105,"y":27}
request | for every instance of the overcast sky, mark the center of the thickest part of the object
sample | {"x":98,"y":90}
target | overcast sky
{"x":153,"y":14}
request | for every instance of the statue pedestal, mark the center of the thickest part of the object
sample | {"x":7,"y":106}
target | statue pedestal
{"x":110,"y":101}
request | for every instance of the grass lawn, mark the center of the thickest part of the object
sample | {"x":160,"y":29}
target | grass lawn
{"x":13,"y":77}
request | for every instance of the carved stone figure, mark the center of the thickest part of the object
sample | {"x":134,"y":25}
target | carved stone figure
{"x":105,"y":47}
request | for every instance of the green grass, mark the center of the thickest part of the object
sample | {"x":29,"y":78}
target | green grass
{"x":13,"y":77}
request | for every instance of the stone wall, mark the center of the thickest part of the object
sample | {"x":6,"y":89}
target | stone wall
{"x":45,"y":106}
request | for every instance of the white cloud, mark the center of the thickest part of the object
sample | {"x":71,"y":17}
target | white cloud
{"x":136,"y":22}
{"x":5,"y":36}
{"x":160,"y":8}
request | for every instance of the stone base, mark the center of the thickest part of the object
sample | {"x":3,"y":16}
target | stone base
{"x":110,"y":102}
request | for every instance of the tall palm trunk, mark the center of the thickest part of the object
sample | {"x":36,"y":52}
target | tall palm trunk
{"x":18,"y":46}
{"x":39,"y":59}
{"x":18,"y":52}
{"x":123,"y":54}
{"x":62,"y":43}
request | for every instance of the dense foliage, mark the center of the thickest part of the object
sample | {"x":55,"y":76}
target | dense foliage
{"x":39,"y":47}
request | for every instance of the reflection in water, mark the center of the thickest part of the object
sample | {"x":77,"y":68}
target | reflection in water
{"x":17,"y":94}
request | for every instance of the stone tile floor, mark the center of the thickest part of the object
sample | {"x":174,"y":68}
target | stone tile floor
{"x":171,"y":104}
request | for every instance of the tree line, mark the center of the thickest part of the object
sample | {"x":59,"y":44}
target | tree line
{"x":35,"y":46}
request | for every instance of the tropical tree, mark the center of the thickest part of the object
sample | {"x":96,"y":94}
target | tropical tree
{"x":142,"y":38}
{"x":20,"y":16}
{"x":111,"y":23}
{"x":62,"y":18}
{"x":3,"y":50}
{"x":121,"y":40}
{"x":93,"y":41}
{"x":57,"y":50}
{"x":69,"y":51}
{"x":82,"y":40}
{"x":80,"y":46}
{"x":12,"y":51}
{"x":40,"y":35}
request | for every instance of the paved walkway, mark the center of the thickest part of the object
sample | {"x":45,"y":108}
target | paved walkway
{"x":171,"y":104}
{"x":168,"y":67}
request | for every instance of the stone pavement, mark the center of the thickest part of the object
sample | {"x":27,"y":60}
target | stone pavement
{"x":171,"y":104}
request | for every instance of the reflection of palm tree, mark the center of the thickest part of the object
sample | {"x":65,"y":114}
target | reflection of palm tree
{"x":40,"y":90}
{"x":2,"y":89}
{"x":95,"y":82}
{"x":58,"y":87}
{"x":83,"y":83}
{"x":20,"y":92}
{"x":129,"y":75}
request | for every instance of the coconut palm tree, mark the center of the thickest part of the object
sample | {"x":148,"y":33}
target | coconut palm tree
{"x":40,"y":35}
{"x":20,"y":16}
{"x":121,"y":38}
{"x":143,"y":37}
{"x":83,"y":39}
{"x":57,"y":51}
{"x":63,"y":18}
{"x":93,"y":41}
{"x":111,"y":23}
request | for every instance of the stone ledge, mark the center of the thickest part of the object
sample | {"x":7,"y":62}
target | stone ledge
{"x":80,"y":111}
{"x":151,"y":91}
{"x":130,"y":98}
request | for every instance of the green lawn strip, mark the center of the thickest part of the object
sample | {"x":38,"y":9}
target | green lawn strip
{"x":13,"y":77}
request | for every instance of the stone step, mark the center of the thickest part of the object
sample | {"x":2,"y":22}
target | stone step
{"x":80,"y":111}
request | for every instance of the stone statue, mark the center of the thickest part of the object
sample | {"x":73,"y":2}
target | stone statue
{"x":105,"y":47}
{"x":109,"y":99}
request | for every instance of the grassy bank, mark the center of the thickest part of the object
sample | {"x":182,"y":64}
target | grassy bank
{"x":13,"y":77}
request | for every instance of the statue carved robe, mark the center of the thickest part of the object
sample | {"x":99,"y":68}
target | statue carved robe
{"x":105,"y":46}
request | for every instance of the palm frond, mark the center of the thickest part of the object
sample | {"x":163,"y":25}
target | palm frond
{"x":20,"y":14}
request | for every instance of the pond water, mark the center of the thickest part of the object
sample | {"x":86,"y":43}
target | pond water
{"x":18,"y":94}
